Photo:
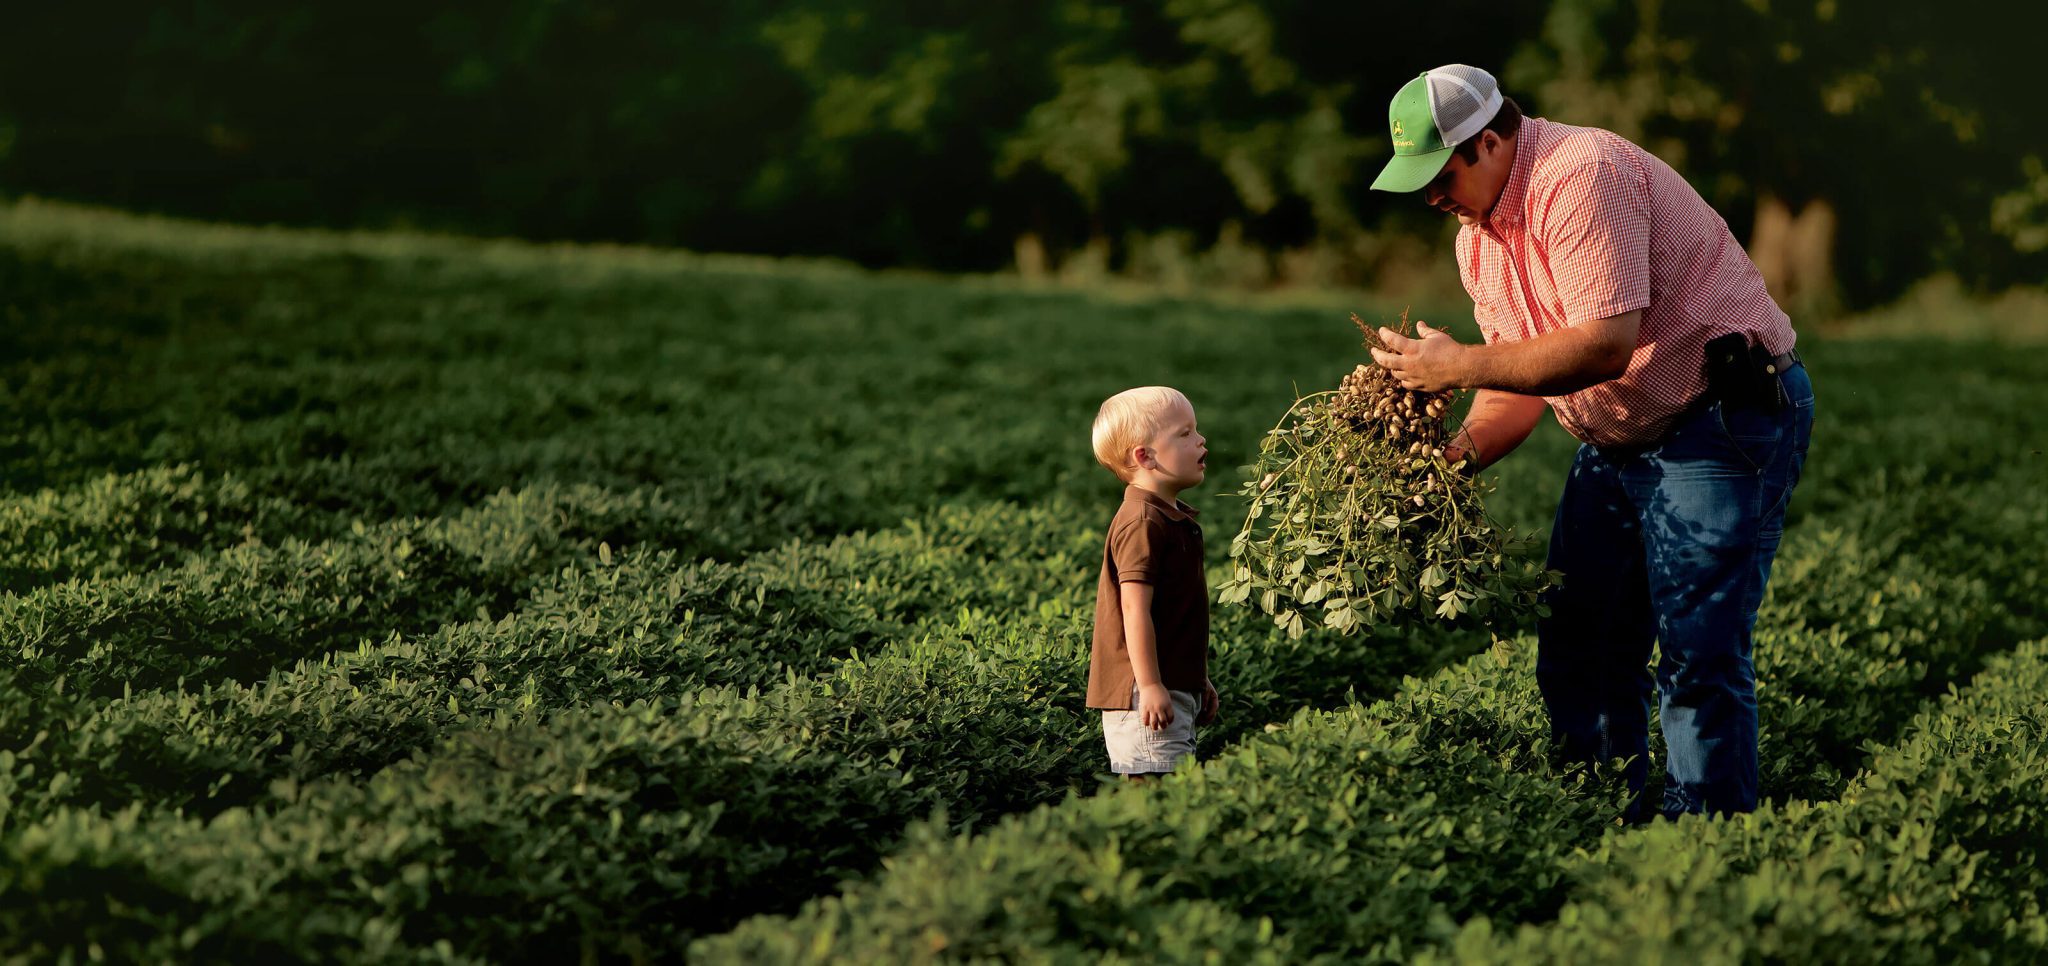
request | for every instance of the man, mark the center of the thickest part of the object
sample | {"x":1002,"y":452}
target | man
{"x":1609,"y":290}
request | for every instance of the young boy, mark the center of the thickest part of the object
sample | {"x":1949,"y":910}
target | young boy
{"x":1151,"y":654}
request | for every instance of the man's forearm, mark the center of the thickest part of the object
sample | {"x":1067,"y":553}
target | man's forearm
{"x":1556,"y":363}
{"x":1496,"y":424}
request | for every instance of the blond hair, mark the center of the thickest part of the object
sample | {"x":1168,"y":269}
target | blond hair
{"x":1132,"y":418}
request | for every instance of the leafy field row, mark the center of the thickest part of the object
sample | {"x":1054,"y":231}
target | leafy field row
{"x":975,"y":716}
{"x":1934,"y":854}
{"x":238,"y":613}
{"x":376,"y":598}
{"x":1373,"y":832}
{"x":367,"y":379}
{"x":615,"y":632}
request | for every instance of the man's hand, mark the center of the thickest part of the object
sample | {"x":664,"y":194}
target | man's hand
{"x":1431,"y":362}
{"x":1211,"y":702}
{"x":1155,"y":706}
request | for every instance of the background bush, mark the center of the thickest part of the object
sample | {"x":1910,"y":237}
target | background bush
{"x":1220,"y":140}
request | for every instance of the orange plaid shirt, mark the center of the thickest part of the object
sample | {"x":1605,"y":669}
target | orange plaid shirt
{"x":1591,"y":226}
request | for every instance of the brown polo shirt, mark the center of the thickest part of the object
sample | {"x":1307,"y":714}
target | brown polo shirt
{"x":1152,"y":542}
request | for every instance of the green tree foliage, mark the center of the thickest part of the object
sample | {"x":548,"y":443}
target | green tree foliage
{"x":1918,"y":124}
{"x":945,"y":135}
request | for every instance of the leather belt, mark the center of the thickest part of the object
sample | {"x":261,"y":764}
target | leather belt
{"x":1782,"y":361}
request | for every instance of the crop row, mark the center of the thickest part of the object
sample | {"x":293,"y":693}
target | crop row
{"x":640,"y":623}
{"x":976,"y":710}
{"x":236,"y":614}
{"x":1935,"y":854}
{"x":1372,"y":832}
{"x":605,"y":626}
{"x":371,"y":388}
{"x":790,"y":789}
{"x":121,"y":524}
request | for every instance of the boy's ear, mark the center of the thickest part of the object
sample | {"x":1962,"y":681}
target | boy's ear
{"x":1141,"y":455}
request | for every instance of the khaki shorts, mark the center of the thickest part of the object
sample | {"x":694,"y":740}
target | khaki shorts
{"x":1137,"y":750}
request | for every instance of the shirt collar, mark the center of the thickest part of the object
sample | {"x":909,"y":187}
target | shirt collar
{"x":1512,"y":206}
{"x":1174,"y":511}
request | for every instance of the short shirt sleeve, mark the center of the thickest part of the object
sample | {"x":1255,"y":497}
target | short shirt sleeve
{"x":1136,"y":549}
{"x":1596,"y":237}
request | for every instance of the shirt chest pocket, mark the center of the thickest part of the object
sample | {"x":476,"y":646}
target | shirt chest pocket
{"x":1488,"y":315}
{"x":1488,"y":281}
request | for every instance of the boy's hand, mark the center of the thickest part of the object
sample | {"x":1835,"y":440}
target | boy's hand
{"x":1155,"y":706}
{"x":1211,"y":703}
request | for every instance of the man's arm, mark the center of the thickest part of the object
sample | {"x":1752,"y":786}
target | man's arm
{"x":1557,"y":363}
{"x":1552,"y":364}
{"x":1497,"y":423}
{"x":1142,"y":640}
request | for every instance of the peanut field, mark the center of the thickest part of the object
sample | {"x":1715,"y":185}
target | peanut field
{"x":390,"y":598}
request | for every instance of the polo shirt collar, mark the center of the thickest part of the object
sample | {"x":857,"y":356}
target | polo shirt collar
{"x":1513,"y":205}
{"x":1174,"y":511}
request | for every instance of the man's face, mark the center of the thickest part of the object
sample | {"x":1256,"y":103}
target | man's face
{"x":1468,"y":190}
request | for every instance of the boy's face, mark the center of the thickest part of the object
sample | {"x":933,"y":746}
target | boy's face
{"x":1179,"y":455}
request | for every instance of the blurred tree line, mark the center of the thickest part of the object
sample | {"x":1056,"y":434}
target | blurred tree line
{"x":1855,"y":146}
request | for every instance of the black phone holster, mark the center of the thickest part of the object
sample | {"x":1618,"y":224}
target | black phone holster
{"x":1744,"y":373}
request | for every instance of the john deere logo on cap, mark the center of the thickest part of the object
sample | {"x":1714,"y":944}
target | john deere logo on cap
{"x":1463,"y":97}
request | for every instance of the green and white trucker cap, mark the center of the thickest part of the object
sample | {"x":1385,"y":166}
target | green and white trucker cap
{"x":1431,"y":115}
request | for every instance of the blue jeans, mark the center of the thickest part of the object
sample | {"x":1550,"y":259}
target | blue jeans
{"x":1671,"y":543}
